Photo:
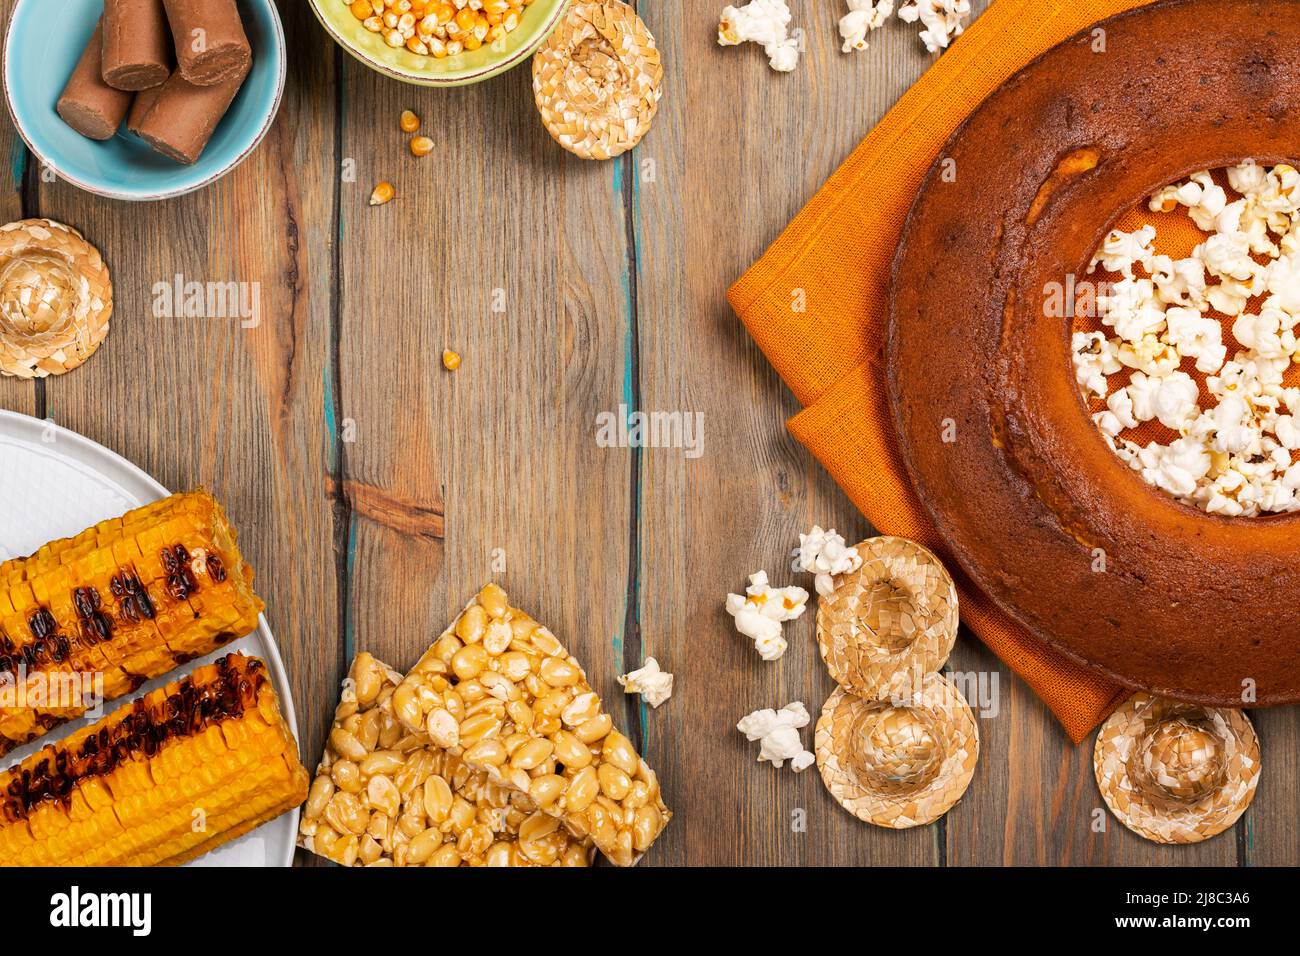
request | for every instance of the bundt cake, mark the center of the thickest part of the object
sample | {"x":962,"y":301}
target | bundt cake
{"x":1031,"y":498}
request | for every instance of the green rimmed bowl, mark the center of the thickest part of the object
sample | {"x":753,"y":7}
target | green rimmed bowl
{"x":536,"y":24}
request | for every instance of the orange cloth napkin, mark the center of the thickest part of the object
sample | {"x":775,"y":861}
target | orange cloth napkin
{"x":834,"y":262}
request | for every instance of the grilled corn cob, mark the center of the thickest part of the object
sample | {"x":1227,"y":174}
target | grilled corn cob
{"x":182,"y":770}
{"x":127,"y":600}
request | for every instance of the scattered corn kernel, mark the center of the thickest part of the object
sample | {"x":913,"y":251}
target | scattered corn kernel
{"x":438,"y":28}
{"x":383,"y":193}
{"x":421,"y":146}
{"x":410,"y":122}
{"x":450,"y":360}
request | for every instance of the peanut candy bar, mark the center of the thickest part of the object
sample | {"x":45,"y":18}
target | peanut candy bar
{"x":500,"y":690}
{"x":386,"y":797}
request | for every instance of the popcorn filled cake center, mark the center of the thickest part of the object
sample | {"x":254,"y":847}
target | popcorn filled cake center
{"x":1184,"y":339}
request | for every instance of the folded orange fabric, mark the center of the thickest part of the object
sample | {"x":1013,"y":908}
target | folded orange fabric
{"x":816,"y":303}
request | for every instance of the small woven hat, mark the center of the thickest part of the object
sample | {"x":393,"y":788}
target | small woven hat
{"x":1173,"y":772}
{"x":55,"y":299}
{"x":598,"y":79}
{"x":901,"y":765}
{"x":889,"y":623}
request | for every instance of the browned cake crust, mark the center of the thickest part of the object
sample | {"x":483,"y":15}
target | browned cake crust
{"x":1190,"y":605}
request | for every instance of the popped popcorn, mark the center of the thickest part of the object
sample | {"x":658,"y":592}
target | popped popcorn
{"x":1130,"y":306}
{"x":761,"y":611}
{"x":779,"y":732}
{"x":1195,"y":336}
{"x":1120,"y":250}
{"x":942,"y":20}
{"x":1237,"y":455}
{"x":825,"y":554}
{"x":1094,"y":358}
{"x":863,"y":17}
{"x":765,"y":22}
{"x":653,"y":684}
{"x":1179,"y":282}
{"x":1208,"y":200}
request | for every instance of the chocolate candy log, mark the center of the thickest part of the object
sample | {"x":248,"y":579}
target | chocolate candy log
{"x":211,"y":46}
{"x":88,"y":104}
{"x":137,"y":44}
{"x":184,"y":116}
{"x":144,"y":101}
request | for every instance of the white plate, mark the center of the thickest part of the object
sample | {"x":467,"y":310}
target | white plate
{"x":53,"y":484}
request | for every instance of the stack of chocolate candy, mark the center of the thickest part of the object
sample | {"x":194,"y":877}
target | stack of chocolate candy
{"x":173,"y":65}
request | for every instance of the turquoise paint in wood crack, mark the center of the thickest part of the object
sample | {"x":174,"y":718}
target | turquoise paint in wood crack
{"x":331,"y":419}
{"x":18,"y":162}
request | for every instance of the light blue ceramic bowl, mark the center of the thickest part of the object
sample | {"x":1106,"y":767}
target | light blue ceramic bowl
{"x":44,"y":42}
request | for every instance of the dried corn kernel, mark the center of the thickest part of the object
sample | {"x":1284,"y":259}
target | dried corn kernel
{"x":410,"y":122}
{"x":383,"y":193}
{"x":438,"y":28}
{"x":450,"y":360}
{"x":421,"y":146}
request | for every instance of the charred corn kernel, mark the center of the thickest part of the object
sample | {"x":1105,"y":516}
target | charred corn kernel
{"x":421,"y":146}
{"x":122,"y":602}
{"x":383,"y":193}
{"x":123,"y":791}
{"x":361,"y":9}
{"x":450,"y":360}
{"x":409,"y":122}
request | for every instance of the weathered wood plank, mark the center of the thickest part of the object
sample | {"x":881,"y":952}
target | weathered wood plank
{"x":1269,"y":834}
{"x":15,"y":395}
{"x":738,"y":150}
{"x":505,"y":249}
{"x":206,"y":401}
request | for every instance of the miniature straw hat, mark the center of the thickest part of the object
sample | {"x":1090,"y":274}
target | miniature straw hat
{"x":902,"y":764}
{"x":1173,"y":772}
{"x":55,"y":299}
{"x":889,"y":623}
{"x":598,"y":79}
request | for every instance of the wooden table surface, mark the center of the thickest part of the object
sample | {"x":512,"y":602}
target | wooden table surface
{"x":375,"y":492}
